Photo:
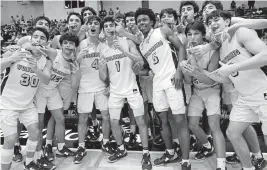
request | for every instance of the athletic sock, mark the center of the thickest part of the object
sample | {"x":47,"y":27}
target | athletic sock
{"x":170,"y":151}
{"x":207,"y":145}
{"x":48,"y":142}
{"x":60,"y":146}
{"x":82,"y":144}
{"x":257,"y":155}
{"x":176,"y":140}
{"x":221,"y":163}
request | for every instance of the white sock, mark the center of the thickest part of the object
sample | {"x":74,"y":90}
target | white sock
{"x":28,"y":160}
{"x":121,"y":147}
{"x":176,"y":140}
{"x":257,"y":155}
{"x":193,"y":136}
{"x":170,"y":151}
{"x":252,"y":168}
{"x":60,"y":146}
{"x":48,"y":142}
{"x":17,"y":144}
{"x":149,"y":132}
{"x":145,"y":151}
{"x":207,"y":145}
{"x":221,"y":163}
{"x":82,"y":144}
{"x":95,"y":122}
{"x":105,"y":141}
{"x":37,"y":155}
{"x":185,"y":160}
{"x":209,"y":136}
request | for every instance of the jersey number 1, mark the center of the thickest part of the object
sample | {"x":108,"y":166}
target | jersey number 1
{"x":117,"y":63}
{"x":29,"y":80}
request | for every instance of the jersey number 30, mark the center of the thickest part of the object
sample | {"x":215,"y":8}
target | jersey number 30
{"x":29,"y":80}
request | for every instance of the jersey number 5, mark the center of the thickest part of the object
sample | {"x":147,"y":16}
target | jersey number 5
{"x":155,"y":58}
{"x":29,"y":80}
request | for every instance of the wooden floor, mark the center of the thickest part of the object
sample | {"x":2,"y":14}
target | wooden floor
{"x":96,"y":160}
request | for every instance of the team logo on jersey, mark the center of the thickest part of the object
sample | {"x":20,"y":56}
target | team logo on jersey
{"x":265,"y":96}
{"x":231,"y":55}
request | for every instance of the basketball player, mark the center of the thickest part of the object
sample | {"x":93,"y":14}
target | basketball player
{"x":167,"y":82}
{"x":24,"y":73}
{"x":243,"y":61}
{"x":63,"y":64}
{"x":206,"y":94}
{"x":91,"y":88}
{"x":116,"y":62}
{"x":66,"y":92}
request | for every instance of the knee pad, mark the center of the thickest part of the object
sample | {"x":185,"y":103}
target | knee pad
{"x":264,"y":128}
{"x":31,"y":146}
{"x":6,"y":156}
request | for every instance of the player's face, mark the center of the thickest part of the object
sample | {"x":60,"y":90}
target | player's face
{"x":130,"y":22}
{"x":188,"y":12}
{"x":209,"y":8}
{"x":144,"y":23}
{"x":39,"y":38}
{"x":109,"y":29}
{"x":68,"y":47}
{"x":74,"y":23}
{"x":195,"y":36}
{"x":43,"y":24}
{"x":120,"y":21}
{"x":168,"y":19}
{"x":87,"y":14}
{"x":94,"y":28}
{"x":217,"y":24}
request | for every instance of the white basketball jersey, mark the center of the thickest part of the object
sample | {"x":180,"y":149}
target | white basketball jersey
{"x":248,"y":82}
{"x":157,"y":51}
{"x":204,"y":63}
{"x":122,"y":78}
{"x":90,"y":80}
{"x":58,"y":71}
{"x":20,"y":85}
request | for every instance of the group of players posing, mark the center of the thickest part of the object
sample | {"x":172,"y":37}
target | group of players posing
{"x":104,"y":70}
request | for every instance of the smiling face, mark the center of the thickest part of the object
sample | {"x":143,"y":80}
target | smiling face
{"x":188,"y":12}
{"x":195,"y":36}
{"x":168,"y":19}
{"x":130,"y":22}
{"x":209,"y":8}
{"x":74,"y":23}
{"x":38,"y":37}
{"x":68,"y":47}
{"x":109,"y":29}
{"x":87,"y":14}
{"x":43,"y":24}
{"x":218,"y":24}
{"x":144,"y":23}
{"x":94,"y":28}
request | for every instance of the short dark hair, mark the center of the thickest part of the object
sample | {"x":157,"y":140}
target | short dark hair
{"x":87,"y":8}
{"x":217,"y":4}
{"x":77,"y":14}
{"x":119,"y":15}
{"x":192,"y":2}
{"x":196,"y":25}
{"x":169,"y":11}
{"x":69,"y":37}
{"x":218,"y":13}
{"x":107,"y":19}
{"x":94,"y":17}
{"x":146,"y":11}
{"x":42,"y":18}
{"x":128,"y":14}
{"x":42,"y":30}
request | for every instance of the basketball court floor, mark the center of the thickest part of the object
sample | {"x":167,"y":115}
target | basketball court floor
{"x":97,"y":160}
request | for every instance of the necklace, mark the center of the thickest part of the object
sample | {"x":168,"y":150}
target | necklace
{"x":146,"y":40}
{"x":91,"y":44}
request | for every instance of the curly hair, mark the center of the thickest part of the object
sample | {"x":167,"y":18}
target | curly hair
{"x":192,"y":2}
{"x":77,"y":14}
{"x":69,"y":37}
{"x":42,"y":18}
{"x":41,"y":30}
{"x":87,"y":8}
{"x":217,"y":4}
{"x":106,"y":19}
{"x":196,"y":25}
{"x":146,"y":11}
{"x":169,"y":11}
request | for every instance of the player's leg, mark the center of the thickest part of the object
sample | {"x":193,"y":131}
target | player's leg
{"x":137,"y":104}
{"x":17,"y":157}
{"x":29,"y":118}
{"x":101,"y":102}
{"x":174,"y":130}
{"x":241,"y":118}
{"x":8,"y":122}
{"x":176,"y":101}
{"x":85,"y":106}
{"x":115,"y":105}
{"x":161,"y":107}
